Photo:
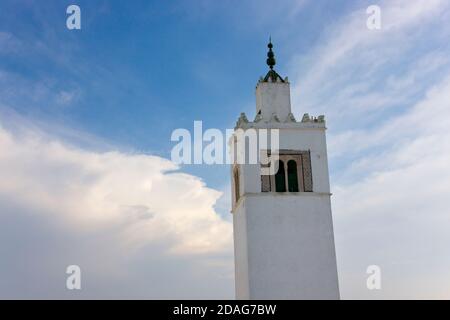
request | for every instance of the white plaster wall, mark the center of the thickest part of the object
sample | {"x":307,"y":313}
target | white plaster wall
{"x":242,"y":285}
{"x":286,"y":243}
{"x":251,"y":178}
{"x":273,"y":97}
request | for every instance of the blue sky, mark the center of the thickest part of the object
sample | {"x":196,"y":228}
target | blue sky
{"x":135,"y":72}
{"x":86,"y":118}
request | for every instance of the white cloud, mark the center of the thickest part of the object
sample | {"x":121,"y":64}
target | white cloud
{"x":132,"y":202}
{"x":397,"y":216}
{"x":353,"y":69}
{"x":144,"y":194}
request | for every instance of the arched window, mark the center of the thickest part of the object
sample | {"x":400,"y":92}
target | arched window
{"x":292,"y":176}
{"x":236,"y":185}
{"x":280,"y":180}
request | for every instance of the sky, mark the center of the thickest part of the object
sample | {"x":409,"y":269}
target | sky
{"x":86,"y":118}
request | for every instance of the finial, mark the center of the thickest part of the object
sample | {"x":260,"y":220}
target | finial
{"x":272,"y":75}
{"x":270,"y":55}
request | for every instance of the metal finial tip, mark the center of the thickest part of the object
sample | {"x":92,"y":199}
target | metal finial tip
{"x":270,"y":55}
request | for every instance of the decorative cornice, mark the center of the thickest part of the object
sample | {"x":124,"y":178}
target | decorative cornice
{"x":290,"y":122}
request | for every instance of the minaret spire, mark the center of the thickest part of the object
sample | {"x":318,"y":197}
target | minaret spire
{"x":271,"y":62}
{"x":272,"y":75}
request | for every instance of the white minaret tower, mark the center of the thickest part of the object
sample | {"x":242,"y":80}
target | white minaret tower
{"x":283,"y":228}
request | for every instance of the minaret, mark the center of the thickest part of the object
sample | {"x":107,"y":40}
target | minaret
{"x":283,"y":228}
